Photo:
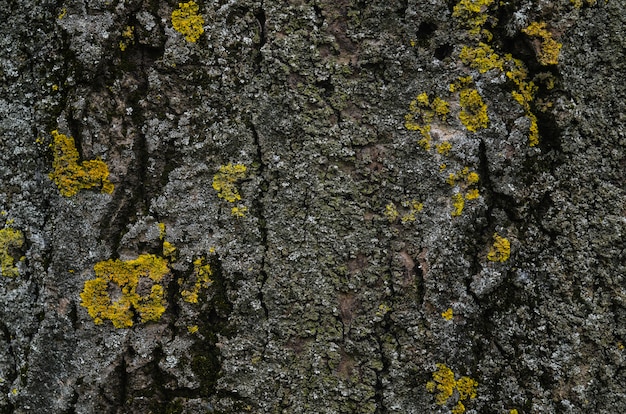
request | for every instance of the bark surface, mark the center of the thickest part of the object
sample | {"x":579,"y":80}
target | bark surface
{"x":361,"y":206}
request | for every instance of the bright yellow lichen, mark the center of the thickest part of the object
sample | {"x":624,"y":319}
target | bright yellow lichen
{"x":445,"y":385}
{"x":421,"y":114}
{"x":226,"y":178}
{"x":239,"y":211}
{"x":441,"y":108}
{"x":500,"y":250}
{"x":472,"y":178}
{"x":202,"y":273}
{"x":472,"y":15}
{"x":448,"y":314}
{"x":549,"y":48}
{"x":71,"y":177}
{"x":472,"y":194}
{"x":482,"y":58}
{"x":443,"y":382}
{"x":473,"y":110}
{"x":524,"y":96}
{"x":458,"y":203}
{"x":460,"y":83}
{"x":10,"y":239}
{"x":134,"y":287}
{"x":466,"y":180}
{"x":187,"y":21}
{"x":444,"y":148}
{"x":168,"y":249}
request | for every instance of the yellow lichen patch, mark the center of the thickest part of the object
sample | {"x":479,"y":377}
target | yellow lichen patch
{"x":226,"y":178}
{"x":383,"y":309}
{"x":168,"y":249}
{"x":473,"y":110}
{"x":451,"y":179}
{"x":62,"y":14}
{"x":472,"y":14}
{"x":459,"y":408}
{"x":128,"y":37}
{"x":466,"y":180}
{"x":482,"y":58}
{"x":533,"y":130}
{"x":391,"y":212}
{"x":549,"y":48}
{"x":192,"y":329}
{"x":579,"y":3}
{"x":239,"y":211}
{"x":444,"y":148}
{"x":187,"y":21}
{"x":441,"y":108}
{"x":448,"y":314}
{"x":71,"y":177}
{"x":460,"y":83}
{"x":414,"y":208}
{"x":500,"y":250}
{"x":9,"y":239}
{"x":458,"y":203}
{"x":444,"y":384}
{"x":421,"y":114}
{"x":524,"y":96}
{"x":464,"y":177}
{"x":134,"y":287}
{"x":472,"y":178}
{"x":472,"y":194}
{"x":202,"y":274}
{"x":513,"y":411}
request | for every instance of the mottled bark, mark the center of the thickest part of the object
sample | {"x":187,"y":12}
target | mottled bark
{"x":375,"y":241}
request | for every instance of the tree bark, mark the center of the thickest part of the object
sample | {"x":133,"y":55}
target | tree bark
{"x":363,"y":207}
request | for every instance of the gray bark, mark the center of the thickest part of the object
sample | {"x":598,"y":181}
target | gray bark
{"x":320,"y":302}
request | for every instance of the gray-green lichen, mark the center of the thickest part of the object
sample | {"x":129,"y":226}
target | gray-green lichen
{"x":319,"y":302}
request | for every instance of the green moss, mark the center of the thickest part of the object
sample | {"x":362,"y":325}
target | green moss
{"x":9,"y":239}
{"x":126,"y":276}
{"x":69,"y":176}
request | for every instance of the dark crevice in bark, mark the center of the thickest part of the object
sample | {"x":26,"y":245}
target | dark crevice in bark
{"x":379,"y":390}
{"x":72,"y":402}
{"x":259,"y":207}
{"x":122,"y":378}
{"x":419,"y":285}
{"x":213,"y":322}
{"x":258,"y":59}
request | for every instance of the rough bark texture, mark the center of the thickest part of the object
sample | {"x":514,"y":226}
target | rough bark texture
{"x":322,"y":300}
